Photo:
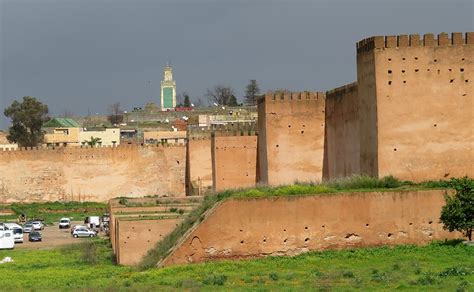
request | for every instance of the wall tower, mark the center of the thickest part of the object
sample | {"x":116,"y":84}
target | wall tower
{"x":168,"y":89}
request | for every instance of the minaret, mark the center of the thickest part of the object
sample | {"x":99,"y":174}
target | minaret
{"x":168,"y":89}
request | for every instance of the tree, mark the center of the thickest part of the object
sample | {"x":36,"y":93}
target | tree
{"x":187,"y":102}
{"x":458,"y":213}
{"x":252,"y":92}
{"x":220,"y":94}
{"x":93,"y":141}
{"x":27,"y":118}
{"x":233,"y":101}
{"x":115,"y":116}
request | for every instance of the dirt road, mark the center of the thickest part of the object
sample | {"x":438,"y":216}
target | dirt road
{"x":52,"y":237}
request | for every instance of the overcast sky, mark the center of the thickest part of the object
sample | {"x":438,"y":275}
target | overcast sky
{"x":85,"y":55}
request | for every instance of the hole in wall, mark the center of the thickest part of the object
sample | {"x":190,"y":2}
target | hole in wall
{"x":128,"y":237}
{"x":177,"y":161}
{"x":462,"y":69}
{"x":416,"y":58}
{"x":306,"y":239}
{"x":439,"y":71}
{"x":416,"y":70}
{"x":410,"y":223}
{"x":305,"y":125}
{"x":428,"y":69}
{"x":464,"y":94}
{"x":435,"y":125}
{"x":466,"y":80}
{"x":389,"y":71}
{"x":390,"y":83}
{"x":435,"y":60}
{"x":148,"y":240}
{"x":450,"y":70}
{"x":462,"y":59}
{"x":277,"y":145}
{"x":367,"y":225}
{"x":451,"y":81}
{"x":389,"y":235}
{"x":431,"y":222}
{"x":389,"y":59}
{"x":240,"y":230}
{"x":404,"y":81}
{"x":149,"y":230}
{"x":306,"y":227}
{"x":264,"y":239}
{"x":322,"y":226}
{"x":289,"y":126}
{"x":241,"y":242}
{"x":286,"y":239}
{"x":403,"y":59}
{"x":394,"y":149}
{"x":403,"y":71}
{"x":302,"y":132}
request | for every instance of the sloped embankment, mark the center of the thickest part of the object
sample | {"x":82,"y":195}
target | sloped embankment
{"x":243,"y":228}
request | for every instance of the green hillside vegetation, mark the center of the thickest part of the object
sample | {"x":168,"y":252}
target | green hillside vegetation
{"x":446,"y":266}
{"x":350,"y":184}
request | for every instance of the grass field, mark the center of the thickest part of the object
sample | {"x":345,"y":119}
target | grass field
{"x":51,"y":212}
{"x":438,"y":266}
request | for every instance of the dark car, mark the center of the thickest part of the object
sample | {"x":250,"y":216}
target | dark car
{"x":34,"y":236}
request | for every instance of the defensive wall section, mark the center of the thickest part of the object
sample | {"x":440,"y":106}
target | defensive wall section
{"x":199,"y":166}
{"x":243,"y":228}
{"x":291,"y":137}
{"x":342,"y":139}
{"x":139,"y":224}
{"x":234,"y":158}
{"x":416,"y":105}
{"x":91,"y":174}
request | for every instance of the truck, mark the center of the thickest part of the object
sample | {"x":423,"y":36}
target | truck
{"x":92,"y":222}
{"x":17,"y":231}
{"x":7,"y":241}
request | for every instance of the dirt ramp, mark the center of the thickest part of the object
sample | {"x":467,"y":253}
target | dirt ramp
{"x":243,"y":228}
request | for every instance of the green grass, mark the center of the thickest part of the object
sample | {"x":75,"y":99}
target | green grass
{"x":438,"y":266}
{"x":349,"y":184}
{"x":51,"y":212}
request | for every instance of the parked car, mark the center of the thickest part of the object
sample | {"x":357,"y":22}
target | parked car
{"x":6,"y":239}
{"x":37,"y":225}
{"x":34,"y":236}
{"x":76,"y":227}
{"x":83,"y":232}
{"x":28,"y":227}
{"x":64,"y":223}
{"x":17,"y":231}
{"x":92,"y":221}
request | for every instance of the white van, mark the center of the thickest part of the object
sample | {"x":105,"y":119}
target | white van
{"x":6,"y":239}
{"x":17,"y":231}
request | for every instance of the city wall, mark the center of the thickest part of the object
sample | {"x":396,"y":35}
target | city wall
{"x":234,"y":161}
{"x":342,"y":139}
{"x":244,"y":228}
{"x":91,"y":174}
{"x":291,"y":137}
{"x":416,"y":105}
{"x":199,"y":162}
{"x":135,"y":237}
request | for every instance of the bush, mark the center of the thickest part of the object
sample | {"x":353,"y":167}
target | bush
{"x":218,"y":280}
{"x":347,"y":274}
{"x":273,"y":276}
{"x":458,"y":212}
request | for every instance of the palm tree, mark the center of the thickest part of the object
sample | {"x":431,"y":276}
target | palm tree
{"x":94,"y":141}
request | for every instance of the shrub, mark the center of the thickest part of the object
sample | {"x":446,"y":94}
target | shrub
{"x":173,"y":210}
{"x":273,"y":276}
{"x":218,"y":280}
{"x":458,"y":212}
{"x":347,"y":274}
{"x":455,"y":271}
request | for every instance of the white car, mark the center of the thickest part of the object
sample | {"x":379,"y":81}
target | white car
{"x":38,"y":225}
{"x":28,"y":227}
{"x":64,"y":223}
{"x":17,"y":231}
{"x":83,"y":232}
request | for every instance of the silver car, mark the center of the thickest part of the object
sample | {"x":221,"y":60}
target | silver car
{"x":83,"y":232}
{"x":28,"y":227}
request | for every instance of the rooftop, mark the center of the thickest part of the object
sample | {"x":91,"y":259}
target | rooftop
{"x":61,"y":123}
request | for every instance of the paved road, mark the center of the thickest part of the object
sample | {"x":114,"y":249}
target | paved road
{"x":52,"y":237}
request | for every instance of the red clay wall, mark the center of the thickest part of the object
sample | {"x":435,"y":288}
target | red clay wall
{"x":200,"y":163}
{"x":292,"y":225}
{"x":417,"y":106}
{"x":136,"y":237}
{"x":291,"y":137}
{"x":342,"y":132}
{"x":85,"y":174}
{"x":234,"y":162}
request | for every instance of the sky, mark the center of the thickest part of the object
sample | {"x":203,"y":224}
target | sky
{"x":81,"y":56}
